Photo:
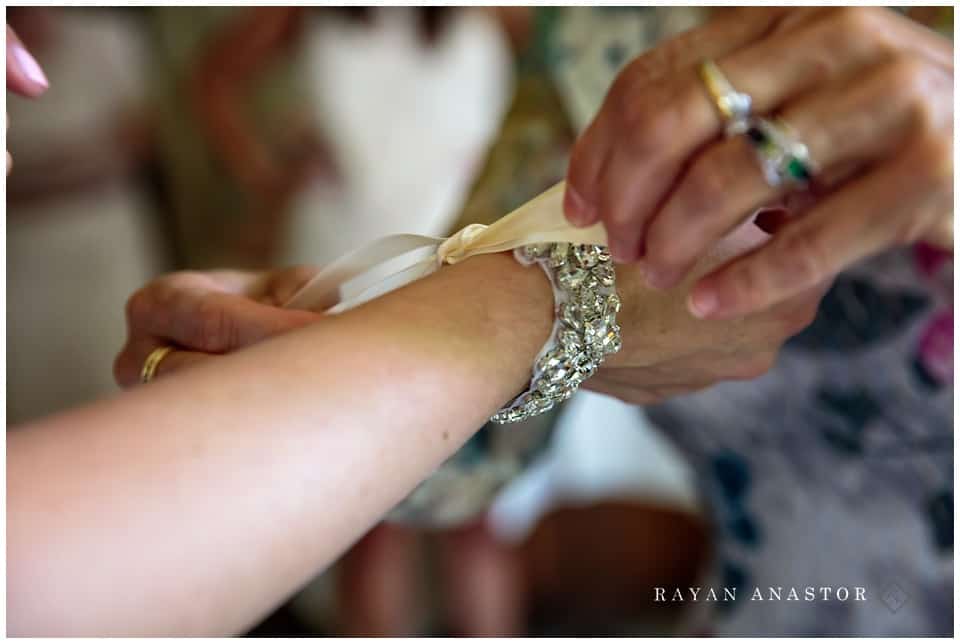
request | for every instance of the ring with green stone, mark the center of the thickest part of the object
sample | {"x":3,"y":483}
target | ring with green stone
{"x":784,"y":159}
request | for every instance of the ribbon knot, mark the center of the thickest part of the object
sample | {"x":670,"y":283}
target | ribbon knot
{"x":390,"y":262}
{"x":458,"y":247}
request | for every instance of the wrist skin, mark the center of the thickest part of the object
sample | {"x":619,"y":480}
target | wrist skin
{"x":502,"y":316}
{"x":218,"y":492}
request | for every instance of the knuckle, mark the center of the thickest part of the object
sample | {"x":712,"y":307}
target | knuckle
{"x":854,"y":21}
{"x":935,"y":158}
{"x":638,"y":127}
{"x":214,"y":329}
{"x":658,"y":253}
{"x":916,"y":82}
{"x":647,"y":120}
{"x":139,"y":306}
{"x":670,"y":245}
{"x":803,"y":257}
{"x":705,"y":187}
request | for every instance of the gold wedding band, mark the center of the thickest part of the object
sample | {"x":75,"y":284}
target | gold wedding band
{"x":733,"y":106}
{"x":152,"y":362}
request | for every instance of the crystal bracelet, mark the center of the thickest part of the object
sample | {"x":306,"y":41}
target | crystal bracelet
{"x":585,"y":328}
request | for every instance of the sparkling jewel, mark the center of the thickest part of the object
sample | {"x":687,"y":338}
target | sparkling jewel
{"x":571,"y":277}
{"x":569,"y":340}
{"x":548,"y":387}
{"x":587,"y":256}
{"x":797,"y":170}
{"x":612,"y":304}
{"x":589,"y":300}
{"x":558,"y":255}
{"x":605,"y":274}
{"x":557,"y":374}
{"x":586,"y":305}
{"x":551,"y":360}
{"x":535,"y":251}
{"x":570,"y":316}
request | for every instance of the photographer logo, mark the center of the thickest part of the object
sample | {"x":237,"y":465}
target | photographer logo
{"x":775,"y":594}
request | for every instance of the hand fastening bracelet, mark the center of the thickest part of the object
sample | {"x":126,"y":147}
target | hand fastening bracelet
{"x":585,"y":328}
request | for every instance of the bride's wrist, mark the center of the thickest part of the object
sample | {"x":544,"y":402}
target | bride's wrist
{"x":509,"y":305}
{"x":488,"y":314}
{"x":585,"y":331}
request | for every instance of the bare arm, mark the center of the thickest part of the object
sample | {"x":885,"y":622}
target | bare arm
{"x":196,"y":504}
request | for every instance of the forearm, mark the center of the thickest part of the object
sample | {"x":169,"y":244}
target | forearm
{"x":195,"y":504}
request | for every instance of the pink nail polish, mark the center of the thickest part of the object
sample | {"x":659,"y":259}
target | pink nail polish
{"x":702,"y":303}
{"x":29,"y":66}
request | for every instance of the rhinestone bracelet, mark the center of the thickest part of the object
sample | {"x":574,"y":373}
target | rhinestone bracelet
{"x":585,"y":328}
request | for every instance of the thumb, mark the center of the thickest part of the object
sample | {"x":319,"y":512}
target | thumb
{"x":223,"y":322}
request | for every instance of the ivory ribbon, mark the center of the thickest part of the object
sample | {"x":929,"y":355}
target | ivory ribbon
{"x":393,"y":261}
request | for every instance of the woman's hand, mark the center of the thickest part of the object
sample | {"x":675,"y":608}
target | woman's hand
{"x":869,"y":92}
{"x":204,"y":313}
{"x":668,"y":352}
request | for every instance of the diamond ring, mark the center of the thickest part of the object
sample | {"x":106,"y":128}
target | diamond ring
{"x":783,"y":159}
{"x":733,"y":106}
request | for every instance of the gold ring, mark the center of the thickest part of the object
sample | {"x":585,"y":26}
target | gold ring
{"x":152,"y":362}
{"x":733,"y":106}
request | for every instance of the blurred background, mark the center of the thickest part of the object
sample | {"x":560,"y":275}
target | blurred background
{"x":256,"y":137}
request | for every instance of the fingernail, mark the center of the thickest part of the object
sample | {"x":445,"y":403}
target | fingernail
{"x":702,"y":302}
{"x":29,"y":66}
{"x":578,"y":211}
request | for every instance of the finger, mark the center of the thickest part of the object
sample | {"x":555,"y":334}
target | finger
{"x":213,"y":322}
{"x":274,"y":287}
{"x":227,"y":280}
{"x":828,"y":45}
{"x":895,"y":203}
{"x":843,"y":126}
{"x":623,"y":189}
{"x":587,"y":159}
{"x":642,"y":96}
{"x":24,"y":75}
{"x":283,"y":284}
